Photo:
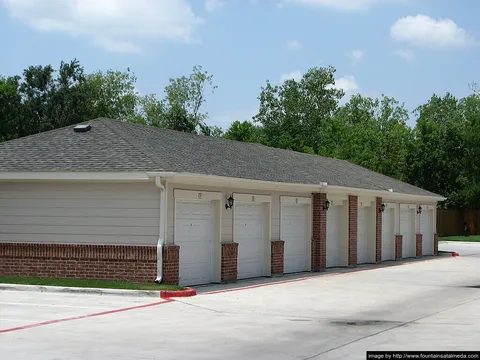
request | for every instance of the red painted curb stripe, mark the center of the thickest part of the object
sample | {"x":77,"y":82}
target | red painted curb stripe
{"x":49,"y":322}
{"x":167,"y":294}
{"x":314,"y":277}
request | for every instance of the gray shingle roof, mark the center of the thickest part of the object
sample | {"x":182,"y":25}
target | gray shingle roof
{"x":113,"y":145}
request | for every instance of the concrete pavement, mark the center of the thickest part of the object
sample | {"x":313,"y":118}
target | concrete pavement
{"x":420,"y":306}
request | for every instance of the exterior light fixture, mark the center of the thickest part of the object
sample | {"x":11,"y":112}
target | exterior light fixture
{"x":229,"y":203}
{"x":327,"y":205}
{"x":419,"y":211}
{"x":382,"y":208}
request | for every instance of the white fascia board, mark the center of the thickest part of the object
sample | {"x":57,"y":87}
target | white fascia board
{"x":385,"y":194}
{"x":213,"y":180}
{"x":223,"y":181}
{"x":75,"y":176}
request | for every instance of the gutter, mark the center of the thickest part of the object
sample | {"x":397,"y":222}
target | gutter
{"x":162,"y":224}
{"x":322,"y":186}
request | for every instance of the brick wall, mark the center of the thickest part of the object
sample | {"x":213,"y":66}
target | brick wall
{"x":319,"y":232}
{"x":435,"y":244}
{"x":103,"y":262}
{"x":378,"y":229}
{"x":352,"y":229}
{"x":171,"y":263}
{"x":398,"y":247}
{"x":229,"y":262}
{"x":419,"y":244}
{"x":277,"y":258}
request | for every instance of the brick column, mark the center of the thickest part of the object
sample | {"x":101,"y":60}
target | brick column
{"x":398,"y":247}
{"x":352,"y":230}
{"x":319,"y":233}
{"x":277,"y":250}
{"x":171,"y":262}
{"x":435,"y":244}
{"x":229,"y":262}
{"x":419,"y":241}
{"x":378,"y":229}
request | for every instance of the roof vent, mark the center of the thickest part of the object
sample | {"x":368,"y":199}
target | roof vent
{"x":82,"y":128}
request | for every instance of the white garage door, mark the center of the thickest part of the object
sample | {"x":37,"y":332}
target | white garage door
{"x":426,"y":229}
{"x":294,"y":233}
{"x":407,"y":223}
{"x":334,"y":248}
{"x":250,"y":222}
{"x":362,"y":235}
{"x":194,"y":234}
{"x":388,"y":237}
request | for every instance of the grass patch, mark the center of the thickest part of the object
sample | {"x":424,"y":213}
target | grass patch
{"x":473,"y":238}
{"x":102,"y":284}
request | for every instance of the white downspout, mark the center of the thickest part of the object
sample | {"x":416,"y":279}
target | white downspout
{"x":161,"y":235}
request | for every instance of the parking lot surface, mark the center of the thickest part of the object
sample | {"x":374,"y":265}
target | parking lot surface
{"x":428,"y":305}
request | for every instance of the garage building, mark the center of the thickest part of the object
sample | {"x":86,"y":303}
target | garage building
{"x":114,"y":200}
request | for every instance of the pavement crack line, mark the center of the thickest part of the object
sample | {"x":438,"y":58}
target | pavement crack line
{"x":201,"y":307}
{"x":389,"y":329}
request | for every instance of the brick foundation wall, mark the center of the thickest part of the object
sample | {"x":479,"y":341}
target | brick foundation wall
{"x":229,"y":262}
{"x":277,"y":258}
{"x":419,"y":244}
{"x":171,"y":264}
{"x":319,"y":232}
{"x":102,"y":262}
{"x":435,"y":244}
{"x":378,"y":229}
{"x":398,"y":247}
{"x":352,"y":229}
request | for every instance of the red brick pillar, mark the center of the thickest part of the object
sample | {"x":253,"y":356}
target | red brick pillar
{"x":398,"y":247}
{"x":435,"y":244}
{"x":378,"y":229}
{"x":419,"y":243}
{"x":277,"y":251}
{"x":352,"y":230}
{"x":171,"y":260}
{"x":229,"y":262}
{"x":319,"y":232}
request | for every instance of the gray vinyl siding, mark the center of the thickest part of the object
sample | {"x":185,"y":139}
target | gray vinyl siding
{"x":227,"y":219}
{"x":79,"y":213}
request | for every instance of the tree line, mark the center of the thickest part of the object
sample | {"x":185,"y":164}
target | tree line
{"x":441,"y":153}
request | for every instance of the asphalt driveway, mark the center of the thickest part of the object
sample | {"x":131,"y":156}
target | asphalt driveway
{"x":419,"y":306}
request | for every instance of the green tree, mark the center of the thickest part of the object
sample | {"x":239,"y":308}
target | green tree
{"x":10,"y":107}
{"x":243,"y":131}
{"x":181,"y":108}
{"x":437,"y":157}
{"x":294,"y":115}
{"x":372,"y":133}
{"x":112,"y":94}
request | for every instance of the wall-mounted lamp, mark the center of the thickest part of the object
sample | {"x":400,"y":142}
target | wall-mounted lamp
{"x":419,"y":211}
{"x":327,"y":205}
{"x":229,"y":203}
{"x":382,"y":208}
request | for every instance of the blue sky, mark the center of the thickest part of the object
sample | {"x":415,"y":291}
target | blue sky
{"x":408,"y":49}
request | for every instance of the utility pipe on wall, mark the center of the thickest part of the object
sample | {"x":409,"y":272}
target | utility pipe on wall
{"x":161,"y":235}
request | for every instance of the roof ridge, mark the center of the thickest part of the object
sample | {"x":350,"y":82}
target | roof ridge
{"x":131,"y":140}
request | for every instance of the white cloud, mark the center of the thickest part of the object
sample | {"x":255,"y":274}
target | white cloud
{"x":357,"y":55}
{"x":343,"y":4}
{"x":294,"y":75}
{"x":116,"y":25}
{"x":294,"y":45}
{"x":212,"y":5}
{"x":346,"y":83}
{"x":406,"y":54}
{"x":424,"y":31}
